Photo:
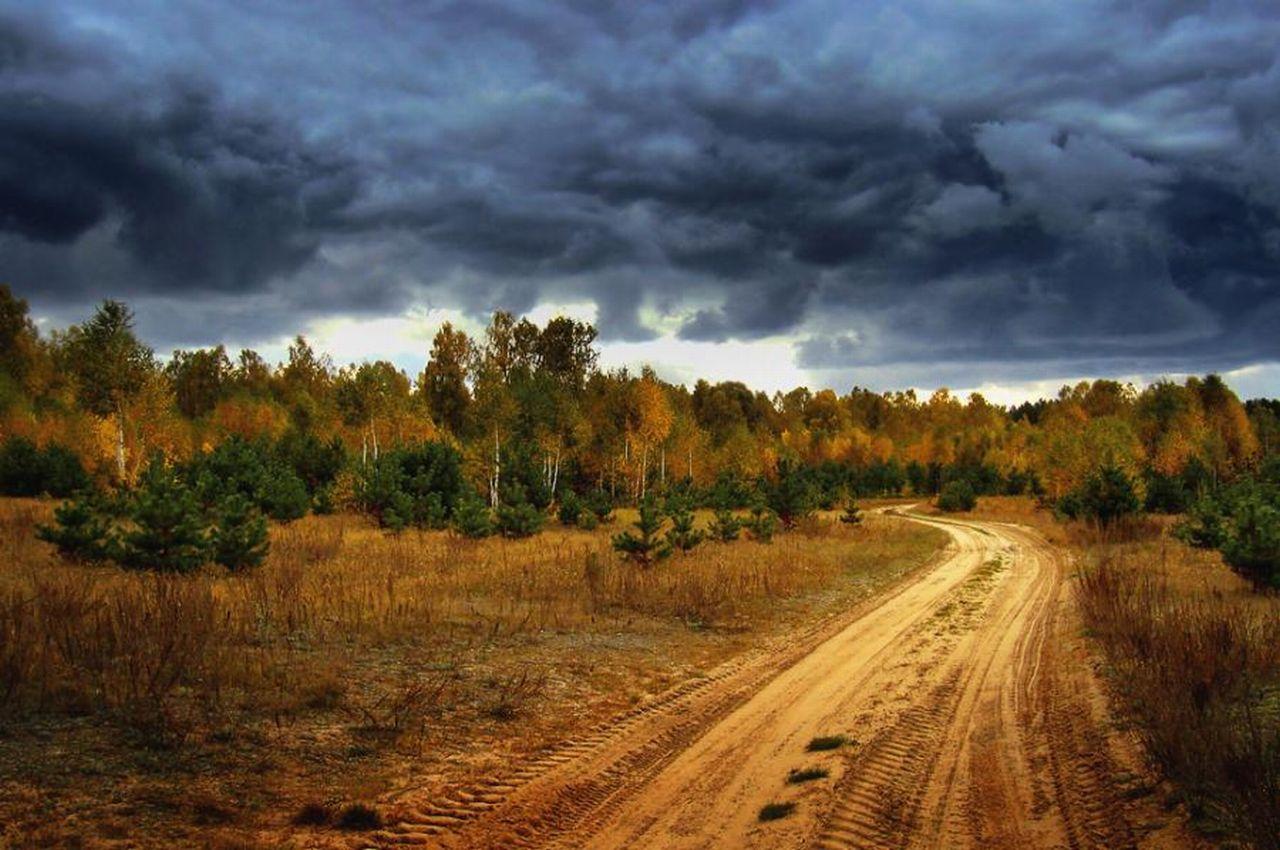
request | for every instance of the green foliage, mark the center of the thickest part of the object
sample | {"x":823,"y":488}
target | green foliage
{"x":1243,"y":522}
{"x":168,"y":528}
{"x":471,"y":517}
{"x":517,"y":516}
{"x":725,"y":526}
{"x":957,"y":496}
{"x":599,"y":503}
{"x":791,"y":494}
{"x":570,"y":508}
{"x":646,"y":545}
{"x":763,"y":522}
{"x":417,"y":486}
{"x":282,"y":494}
{"x":238,"y":539}
{"x":1107,"y":496}
{"x":313,"y":460}
{"x":852,"y":513}
{"x":1205,"y":525}
{"x":682,"y":536}
{"x":588,"y":521}
{"x":26,"y":470}
{"x":108,"y":361}
{"x":81,"y":529}
{"x":1252,"y":545}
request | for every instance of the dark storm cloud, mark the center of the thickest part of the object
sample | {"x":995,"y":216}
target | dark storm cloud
{"x":888,"y":182}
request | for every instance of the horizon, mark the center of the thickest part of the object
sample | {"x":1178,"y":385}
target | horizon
{"x":421,"y":330}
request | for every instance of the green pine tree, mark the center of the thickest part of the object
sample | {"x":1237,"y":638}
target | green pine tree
{"x":517,"y":517}
{"x":168,"y":533}
{"x":726,"y":526}
{"x":647,"y":546}
{"x":81,"y":530}
{"x":471,"y":517}
{"x":682,"y":536}
{"x":763,"y":522}
{"x":239,"y":539}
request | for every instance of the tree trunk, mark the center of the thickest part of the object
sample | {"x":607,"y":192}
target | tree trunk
{"x":555,"y":473}
{"x":373,"y":435}
{"x":364,"y":449}
{"x":120,"y":442}
{"x":497,"y":471}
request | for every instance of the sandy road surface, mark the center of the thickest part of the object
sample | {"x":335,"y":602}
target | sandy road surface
{"x":972,"y":721}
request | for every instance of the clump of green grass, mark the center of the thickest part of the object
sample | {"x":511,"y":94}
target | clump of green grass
{"x":807,"y":774}
{"x":827,"y":742}
{"x":776,"y":811}
{"x":359,"y":817}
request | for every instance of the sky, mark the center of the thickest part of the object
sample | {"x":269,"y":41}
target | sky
{"x":997,"y":195}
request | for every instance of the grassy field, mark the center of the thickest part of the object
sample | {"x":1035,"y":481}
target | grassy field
{"x":215,"y":710}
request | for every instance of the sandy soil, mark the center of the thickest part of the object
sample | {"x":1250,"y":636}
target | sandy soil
{"x":971,"y":712}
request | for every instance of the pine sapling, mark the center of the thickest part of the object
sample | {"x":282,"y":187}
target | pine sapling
{"x":646,"y":546}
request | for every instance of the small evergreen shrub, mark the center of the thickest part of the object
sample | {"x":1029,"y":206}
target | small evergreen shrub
{"x":238,"y":540}
{"x":471,"y":518}
{"x":168,"y":528}
{"x":682,"y":536}
{"x":725,"y":526}
{"x":600,"y":503}
{"x":81,"y":529}
{"x":646,"y":545}
{"x":957,"y":496}
{"x":517,"y":517}
{"x":763,"y":522}
{"x":852,"y":513}
{"x":570,"y":509}
{"x":282,"y":494}
{"x":26,"y":470}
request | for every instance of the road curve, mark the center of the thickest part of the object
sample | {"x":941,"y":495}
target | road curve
{"x":970,"y":720}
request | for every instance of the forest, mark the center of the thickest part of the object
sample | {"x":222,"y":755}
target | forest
{"x":494,"y":432}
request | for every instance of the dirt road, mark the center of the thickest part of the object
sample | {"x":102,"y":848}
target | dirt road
{"x":970,"y":715}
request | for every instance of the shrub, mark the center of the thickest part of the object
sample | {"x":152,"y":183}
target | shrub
{"x":646,"y":546}
{"x":168,"y":531}
{"x":725,"y":526}
{"x":1108,"y":495}
{"x":588,"y":521}
{"x":570,"y":509}
{"x":238,"y":540}
{"x":419,"y":486}
{"x":516,"y":517}
{"x":282,"y":494}
{"x":852,"y":513}
{"x":791,"y":495}
{"x":957,"y":496}
{"x":471,"y":518}
{"x":682,"y":536}
{"x":763,"y":522}
{"x":1252,"y":544}
{"x":81,"y":529}
{"x":600,"y":503}
{"x":26,"y":470}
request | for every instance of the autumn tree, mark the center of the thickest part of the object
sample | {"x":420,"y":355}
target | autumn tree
{"x":199,"y":379}
{"x":110,"y":366}
{"x":443,"y":384}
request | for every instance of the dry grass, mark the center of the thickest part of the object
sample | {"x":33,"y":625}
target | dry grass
{"x":1196,"y":658}
{"x":355,"y":660}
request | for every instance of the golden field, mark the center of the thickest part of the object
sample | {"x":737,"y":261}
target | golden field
{"x":209,"y":710}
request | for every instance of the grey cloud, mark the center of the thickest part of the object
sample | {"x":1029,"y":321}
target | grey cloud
{"x":876,"y":181}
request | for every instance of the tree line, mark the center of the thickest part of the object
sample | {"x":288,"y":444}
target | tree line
{"x":533,"y":420}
